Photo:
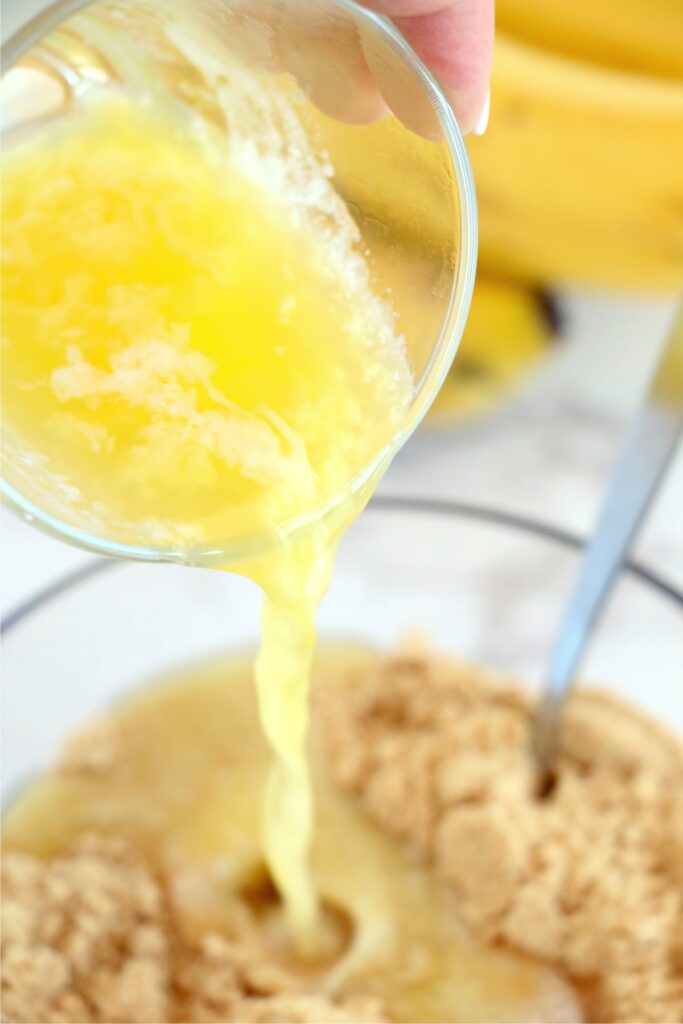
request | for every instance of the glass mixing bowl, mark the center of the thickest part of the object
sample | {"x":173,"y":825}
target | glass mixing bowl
{"x":482,"y":584}
{"x":404,"y":177}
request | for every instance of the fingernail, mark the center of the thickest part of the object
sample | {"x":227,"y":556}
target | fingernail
{"x":483,"y":119}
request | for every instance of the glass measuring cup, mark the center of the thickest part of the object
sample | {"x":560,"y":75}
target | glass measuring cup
{"x":404,"y":177}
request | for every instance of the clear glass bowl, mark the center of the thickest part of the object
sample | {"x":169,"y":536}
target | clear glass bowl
{"x":404,"y":177}
{"x":482,"y":584}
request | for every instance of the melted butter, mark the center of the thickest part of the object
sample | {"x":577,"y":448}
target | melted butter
{"x":192,"y":351}
{"x":190,"y":768}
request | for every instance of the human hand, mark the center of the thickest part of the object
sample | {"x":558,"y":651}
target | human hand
{"x":340,"y":68}
{"x":337,"y":63}
{"x":454,"y":38}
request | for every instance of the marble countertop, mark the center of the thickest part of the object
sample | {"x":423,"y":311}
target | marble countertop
{"x":550,"y":452}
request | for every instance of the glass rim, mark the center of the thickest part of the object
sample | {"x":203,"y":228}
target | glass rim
{"x":426,"y":389}
{"x":400,"y":505}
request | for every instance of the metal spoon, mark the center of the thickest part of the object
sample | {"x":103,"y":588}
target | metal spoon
{"x":648,"y":448}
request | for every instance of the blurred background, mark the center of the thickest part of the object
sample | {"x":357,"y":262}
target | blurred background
{"x":580,"y":186}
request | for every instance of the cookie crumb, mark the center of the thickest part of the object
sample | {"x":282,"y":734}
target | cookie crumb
{"x":590,"y":879}
{"x":91,"y":936}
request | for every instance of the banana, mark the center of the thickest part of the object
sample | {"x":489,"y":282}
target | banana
{"x":635,"y":35}
{"x":510,"y":328}
{"x":579,"y":174}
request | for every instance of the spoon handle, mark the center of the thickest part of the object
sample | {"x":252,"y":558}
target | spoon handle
{"x":648,"y":448}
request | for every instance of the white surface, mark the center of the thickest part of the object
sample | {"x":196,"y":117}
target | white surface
{"x":548,"y":454}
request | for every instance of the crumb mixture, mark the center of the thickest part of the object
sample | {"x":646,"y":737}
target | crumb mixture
{"x":591,"y":879}
{"x":91,"y":936}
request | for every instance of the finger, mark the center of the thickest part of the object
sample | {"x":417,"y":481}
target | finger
{"x":316,"y":43}
{"x":454,"y":38}
{"x":322,"y":49}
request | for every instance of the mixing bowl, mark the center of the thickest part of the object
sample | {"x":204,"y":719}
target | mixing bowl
{"x":482,"y":584}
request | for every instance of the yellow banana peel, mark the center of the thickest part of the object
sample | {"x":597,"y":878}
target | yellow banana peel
{"x":645,"y":36}
{"x":579,"y":176}
{"x":511,"y":328}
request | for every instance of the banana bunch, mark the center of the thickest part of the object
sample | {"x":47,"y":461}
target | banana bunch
{"x":579,"y":177}
{"x":510,"y":329}
{"x":580,"y":174}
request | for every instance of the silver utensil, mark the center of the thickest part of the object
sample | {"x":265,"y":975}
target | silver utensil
{"x":648,"y":448}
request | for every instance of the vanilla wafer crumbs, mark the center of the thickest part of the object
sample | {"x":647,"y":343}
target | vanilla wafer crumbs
{"x":589,"y":879}
{"x":92,"y":936}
